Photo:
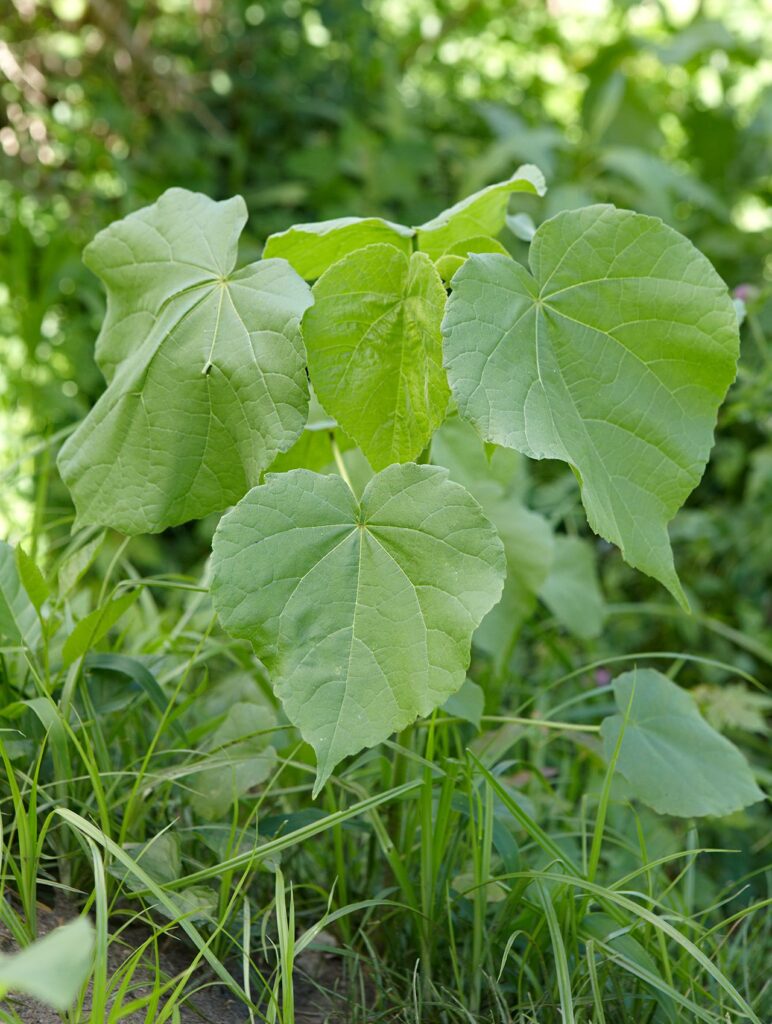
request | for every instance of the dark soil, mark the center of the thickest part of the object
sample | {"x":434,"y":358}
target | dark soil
{"x":319,"y":982}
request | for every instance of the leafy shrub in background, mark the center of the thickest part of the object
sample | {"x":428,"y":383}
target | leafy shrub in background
{"x":612,"y":354}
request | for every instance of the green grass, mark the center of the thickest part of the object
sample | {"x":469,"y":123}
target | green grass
{"x":492,"y":875}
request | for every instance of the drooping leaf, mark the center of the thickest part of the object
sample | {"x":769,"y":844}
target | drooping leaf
{"x":312,"y":248}
{"x":482,"y":213}
{"x":32,"y":579}
{"x":96,"y":625}
{"x":18,"y":619}
{"x":375,"y":350}
{"x":240,"y":756}
{"x":613,"y":355}
{"x":205,"y":368}
{"x":78,"y":561}
{"x":53,"y":968}
{"x":671,"y":758}
{"x":363,"y":612}
{"x":572,"y":591}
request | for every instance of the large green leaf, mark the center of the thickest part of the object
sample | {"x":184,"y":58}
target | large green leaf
{"x":673,"y":760}
{"x":375,"y":350}
{"x":363,"y":612}
{"x":481,"y":214}
{"x":206,"y":368}
{"x":312,"y":248}
{"x":613,"y":355}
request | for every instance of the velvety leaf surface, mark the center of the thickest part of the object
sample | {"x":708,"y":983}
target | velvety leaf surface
{"x":312,"y":248}
{"x":613,"y":355}
{"x":206,"y":368}
{"x":482,"y":213}
{"x":375,"y":350}
{"x":672,"y":759}
{"x":362,"y":612}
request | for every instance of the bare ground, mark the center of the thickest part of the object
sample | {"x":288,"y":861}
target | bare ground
{"x":319,"y":982}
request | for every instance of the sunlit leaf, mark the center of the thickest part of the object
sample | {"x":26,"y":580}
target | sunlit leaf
{"x":18,"y":620}
{"x":375,"y":350}
{"x":482,"y":213}
{"x":312,"y":248}
{"x":53,"y":968}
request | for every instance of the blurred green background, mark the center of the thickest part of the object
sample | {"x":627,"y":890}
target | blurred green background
{"x":397,"y":107}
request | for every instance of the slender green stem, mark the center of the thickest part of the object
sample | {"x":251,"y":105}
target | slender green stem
{"x":340,"y":463}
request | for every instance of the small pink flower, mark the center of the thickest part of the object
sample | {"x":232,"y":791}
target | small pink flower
{"x":602,"y":677}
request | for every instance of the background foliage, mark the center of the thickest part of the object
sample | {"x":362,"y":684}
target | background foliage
{"x":320,"y":109}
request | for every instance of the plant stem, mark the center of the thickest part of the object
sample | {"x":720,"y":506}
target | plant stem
{"x":340,"y":463}
{"x":544,"y":723}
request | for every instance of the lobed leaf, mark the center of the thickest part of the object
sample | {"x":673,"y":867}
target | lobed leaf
{"x":363,"y":611}
{"x":613,"y":355}
{"x":205,"y":368}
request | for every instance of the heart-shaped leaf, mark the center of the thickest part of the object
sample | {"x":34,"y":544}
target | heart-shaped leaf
{"x":363,"y":612}
{"x":673,"y":760}
{"x":205,"y":364}
{"x":613,"y":355}
{"x":375,"y":350}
